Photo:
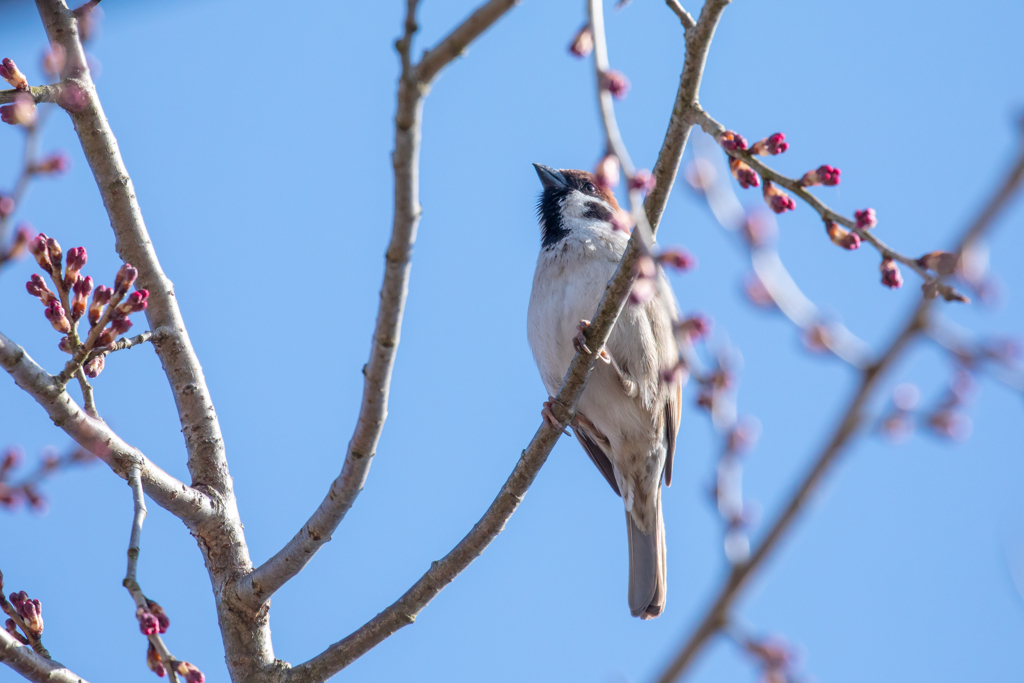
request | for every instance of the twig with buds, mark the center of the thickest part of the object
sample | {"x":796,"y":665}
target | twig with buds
{"x":153,"y":620}
{"x":28,"y":487}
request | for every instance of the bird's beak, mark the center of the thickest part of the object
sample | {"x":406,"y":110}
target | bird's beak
{"x":549,"y":177}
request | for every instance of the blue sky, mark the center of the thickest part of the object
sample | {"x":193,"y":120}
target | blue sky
{"x":258,"y":136}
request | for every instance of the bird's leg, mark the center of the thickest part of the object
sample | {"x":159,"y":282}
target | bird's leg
{"x":549,"y":416}
{"x":627,"y":384}
{"x":579,"y":342}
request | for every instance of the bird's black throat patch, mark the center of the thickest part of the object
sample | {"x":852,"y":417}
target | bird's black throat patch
{"x":549,"y":211}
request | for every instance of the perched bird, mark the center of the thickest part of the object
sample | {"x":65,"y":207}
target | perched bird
{"x":627,"y":417}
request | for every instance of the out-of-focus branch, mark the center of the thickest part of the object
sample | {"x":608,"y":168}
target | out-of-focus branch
{"x":442,"y":572}
{"x":414,"y":83}
{"x":31,"y":666}
{"x":717,"y":614}
{"x":192,"y":506}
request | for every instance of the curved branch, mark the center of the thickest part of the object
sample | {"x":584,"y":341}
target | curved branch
{"x":191,"y":506}
{"x":31,"y":666}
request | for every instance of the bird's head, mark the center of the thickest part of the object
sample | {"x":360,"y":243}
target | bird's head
{"x":572,"y":200}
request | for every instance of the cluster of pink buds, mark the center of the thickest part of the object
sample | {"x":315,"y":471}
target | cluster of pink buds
{"x":841,"y":237}
{"x":583,"y":43}
{"x":866,"y":219}
{"x":21,"y":112}
{"x":677,"y":259}
{"x":773,"y":144}
{"x":54,"y":164}
{"x":26,"y":616}
{"x":643,"y":181}
{"x":616,"y":83}
{"x":743,"y":174}
{"x":9,"y":72}
{"x":891,"y":276}
{"x":152,"y":620}
{"x":732,"y":141}
{"x":823,"y":175}
{"x":607,"y":171}
{"x":19,"y":245}
{"x":776,"y":199}
{"x":108,"y":314}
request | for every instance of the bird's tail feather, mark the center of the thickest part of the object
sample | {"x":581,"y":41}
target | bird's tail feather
{"x":648,"y":586}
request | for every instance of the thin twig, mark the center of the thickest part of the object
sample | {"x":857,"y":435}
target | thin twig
{"x":717,"y":615}
{"x":684,"y":16}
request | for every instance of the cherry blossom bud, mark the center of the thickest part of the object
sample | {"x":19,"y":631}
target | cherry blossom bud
{"x":679,"y":259}
{"x":773,"y":144}
{"x":643,"y":291}
{"x":21,"y":112}
{"x":54,"y":60}
{"x":161,"y":616}
{"x":35,"y":499}
{"x":20,"y":244}
{"x":642,"y":180}
{"x":777,"y":200}
{"x":65,"y":345}
{"x":823,"y":175}
{"x":118,"y":326}
{"x":695,"y":327}
{"x":55,"y":252}
{"x":942,"y":262}
{"x":125,"y":279}
{"x":82,"y":288}
{"x":55,"y":314}
{"x":190,"y":672}
{"x":607,"y":171}
{"x":743,"y":174}
{"x":148,"y":623}
{"x":36,"y":286}
{"x":37,"y":247}
{"x":10,"y":73}
{"x":153,"y":661}
{"x":94,"y":366}
{"x":732,"y":141}
{"x":76,"y":261}
{"x":842,"y":237}
{"x":100,"y":298}
{"x":616,"y":83}
{"x":11,"y":459}
{"x":891,"y":276}
{"x":51,"y":165}
{"x":30,"y":611}
{"x":583,"y":44}
{"x":6,"y":205}
{"x":865,"y":219}
{"x":134,"y":303}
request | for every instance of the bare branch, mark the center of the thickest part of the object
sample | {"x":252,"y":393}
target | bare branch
{"x":680,"y":11}
{"x":31,"y":666}
{"x":442,"y":572}
{"x":718,"y":613}
{"x":39,"y":93}
{"x":95,"y":436}
{"x":256,"y":587}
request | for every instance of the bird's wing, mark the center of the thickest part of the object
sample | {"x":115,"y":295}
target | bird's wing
{"x":673,"y":414}
{"x":591,"y":444}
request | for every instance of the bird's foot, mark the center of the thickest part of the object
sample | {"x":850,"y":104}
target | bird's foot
{"x":579,"y":342}
{"x":549,"y":415}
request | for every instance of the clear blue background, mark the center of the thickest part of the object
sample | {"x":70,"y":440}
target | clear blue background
{"x":258,"y":136}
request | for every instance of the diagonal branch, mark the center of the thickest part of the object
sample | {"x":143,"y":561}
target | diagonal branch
{"x":31,"y":666}
{"x":414,"y":83}
{"x":442,"y":572}
{"x":190,"y":505}
{"x":718,"y":613}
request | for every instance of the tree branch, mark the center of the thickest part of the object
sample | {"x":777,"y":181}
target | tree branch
{"x":718,"y":613}
{"x":442,"y":572}
{"x":256,"y":587}
{"x":684,"y":17}
{"x":39,"y":93}
{"x":31,"y":666}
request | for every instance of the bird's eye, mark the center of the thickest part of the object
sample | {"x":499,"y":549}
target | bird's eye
{"x":589,"y":188}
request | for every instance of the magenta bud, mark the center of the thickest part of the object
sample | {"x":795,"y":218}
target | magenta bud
{"x":55,"y":314}
{"x":153,"y":661}
{"x":891,"y":276}
{"x":642,"y":180}
{"x":21,"y":112}
{"x":36,"y":286}
{"x":30,"y":611}
{"x":694,"y":327}
{"x":53,"y":248}
{"x":842,"y":237}
{"x":583,"y":44}
{"x":94,"y":366}
{"x":51,"y":165}
{"x":823,"y":175}
{"x":743,"y":174}
{"x":148,"y":623}
{"x":190,"y":673}
{"x":616,"y":83}
{"x":64,"y":345}
{"x":865,"y":219}
{"x":10,"y":73}
{"x":100,"y":298}
{"x":37,"y":247}
{"x":125,"y":279}
{"x":76,"y":261}
{"x":81,"y":290}
{"x":679,"y":259}
{"x":773,"y":144}
{"x":777,"y":200}
{"x":160,"y":614}
{"x":732,"y":141}
{"x":136,"y":302}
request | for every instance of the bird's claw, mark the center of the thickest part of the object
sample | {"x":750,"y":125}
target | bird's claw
{"x":579,"y":342}
{"x":549,"y":416}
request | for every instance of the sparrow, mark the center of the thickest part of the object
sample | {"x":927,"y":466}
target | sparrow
{"x":628,"y":416}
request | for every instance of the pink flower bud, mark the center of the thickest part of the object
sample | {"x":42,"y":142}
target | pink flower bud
{"x":731,"y":140}
{"x":583,"y":44}
{"x":148,"y":623}
{"x":55,"y":252}
{"x":607,"y":171}
{"x":51,"y":165}
{"x":100,"y":298}
{"x":777,"y":200}
{"x":37,"y":247}
{"x":54,"y":60}
{"x":695,"y":327}
{"x":865,"y":219}
{"x":11,"y":459}
{"x":642,"y":180}
{"x":190,"y":672}
{"x":65,"y":345}
{"x":616,"y":83}
{"x":942,"y":262}
{"x":55,"y":314}
{"x":12,"y":628}
{"x":94,"y":366}
{"x":823,"y":175}
{"x":20,"y":244}
{"x":842,"y":237}
{"x":125,"y":279}
{"x":643,"y":291}
{"x":891,"y":276}
{"x":76,"y":261}
{"x":6,"y":205}
{"x":153,"y":661}
{"x":160,"y":614}
{"x":30,"y":611}
{"x":773,"y":144}
{"x":10,"y":73}
{"x":118,"y":326}
{"x":82,"y":288}
{"x":679,"y":259}
{"x":36,"y":286}
{"x":134,"y":303}
{"x":21,"y":112}
{"x":743,"y":174}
